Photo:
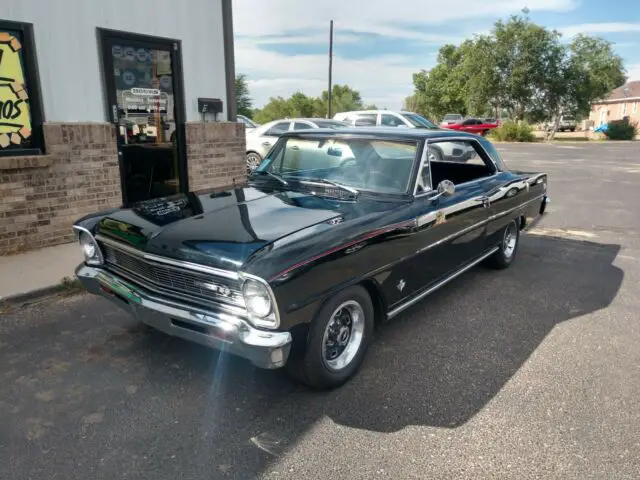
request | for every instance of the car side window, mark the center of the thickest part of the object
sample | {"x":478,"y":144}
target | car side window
{"x":366,"y":120}
{"x":301,"y":126}
{"x":278,"y":129}
{"x":388,"y":120}
{"x":458,"y":161}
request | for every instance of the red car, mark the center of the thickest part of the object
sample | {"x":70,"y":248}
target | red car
{"x":471,"y":125}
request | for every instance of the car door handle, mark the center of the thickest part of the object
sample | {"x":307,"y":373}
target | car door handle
{"x":266,"y":144}
{"x":484,"y":200}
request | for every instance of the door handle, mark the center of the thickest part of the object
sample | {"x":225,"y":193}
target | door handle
{"x":484,"y":200}
{"x":266,"y":144}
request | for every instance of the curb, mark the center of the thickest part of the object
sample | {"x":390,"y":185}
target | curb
{"x":38,"y":294}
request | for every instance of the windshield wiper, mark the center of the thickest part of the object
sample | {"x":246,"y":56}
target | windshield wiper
{"x":351,"y":190}
{"x":272,"y":175}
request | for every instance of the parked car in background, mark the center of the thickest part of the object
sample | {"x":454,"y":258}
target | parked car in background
{"x":471,"y":125}
{"x":451,"y":118}
{"x":567,"y":123}
{"x":337,"y":230}
{"x":384,"y":118}
{"x":248,"y":123}
{"x":490,"y":120}
{"x":262,"y":138}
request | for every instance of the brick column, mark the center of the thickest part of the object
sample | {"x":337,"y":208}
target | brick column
{"x":41,"y":196}
{"x":216,"y":154}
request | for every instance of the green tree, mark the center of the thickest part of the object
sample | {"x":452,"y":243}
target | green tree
{"x":520,"y":68}
{"x":278,"y":107}
{"x":441,"y":90}
{"x":243,"y":100}
{"x":343,"y":99}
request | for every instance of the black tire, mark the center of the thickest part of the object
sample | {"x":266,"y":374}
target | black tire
{"x":312,"y":367}
{"x":573,"y":129}
{"x":506,"y":253}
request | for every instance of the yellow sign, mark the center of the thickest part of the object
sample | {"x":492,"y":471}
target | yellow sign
{"x":15,"y":118}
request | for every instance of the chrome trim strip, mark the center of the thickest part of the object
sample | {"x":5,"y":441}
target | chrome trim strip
{"x":444,"y":281}
{"x":423,"y":159}
{"x":169,"y":261}
{"x":472,"y":227}
{"x":79,"y":230}
{"x":453,"y":235}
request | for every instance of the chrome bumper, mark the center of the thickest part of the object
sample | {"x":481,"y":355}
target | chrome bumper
{"x":219,"y":330}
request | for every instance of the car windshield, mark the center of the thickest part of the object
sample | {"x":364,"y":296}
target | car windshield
{"x":373,"y":165}
{"x":248,"y":122}
{"x":418,"y":121}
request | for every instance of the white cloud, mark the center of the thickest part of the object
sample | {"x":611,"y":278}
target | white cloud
{"x":384,"y":80}
{"x":594,"y":28}
{"x":633,"y":72}
{"x":259,"y":17}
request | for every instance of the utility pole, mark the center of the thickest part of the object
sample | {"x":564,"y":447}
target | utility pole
{"x":330,"y":64}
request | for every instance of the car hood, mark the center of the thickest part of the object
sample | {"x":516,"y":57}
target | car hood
{"x":222,"y":229}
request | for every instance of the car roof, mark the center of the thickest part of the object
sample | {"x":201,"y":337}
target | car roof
{"x":381,"y":132}
{"x":317,"y":119}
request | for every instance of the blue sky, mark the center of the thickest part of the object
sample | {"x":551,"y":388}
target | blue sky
{"x":281,"y":45}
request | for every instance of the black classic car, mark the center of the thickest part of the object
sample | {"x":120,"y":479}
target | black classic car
{"x":335,"y":231}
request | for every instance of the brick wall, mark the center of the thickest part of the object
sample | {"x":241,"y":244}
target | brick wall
{"x":40,"y":197}
{"x":216,"y":154}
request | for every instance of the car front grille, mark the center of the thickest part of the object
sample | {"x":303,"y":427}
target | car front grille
{"x":172,"y":280}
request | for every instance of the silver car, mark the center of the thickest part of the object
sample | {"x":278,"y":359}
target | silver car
{"x":261,"y":139}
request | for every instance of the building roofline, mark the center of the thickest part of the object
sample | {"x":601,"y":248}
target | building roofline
{"x":617,"y":100}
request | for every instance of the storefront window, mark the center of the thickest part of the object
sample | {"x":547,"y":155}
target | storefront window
{"x":19,"y":109}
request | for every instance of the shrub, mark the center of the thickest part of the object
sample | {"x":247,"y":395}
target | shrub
{"x":622,"y":130}
{"x":513,"y":132}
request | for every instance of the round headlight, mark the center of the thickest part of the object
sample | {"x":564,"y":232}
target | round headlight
{"x":89,"y":248}
{"x":256,"y":298}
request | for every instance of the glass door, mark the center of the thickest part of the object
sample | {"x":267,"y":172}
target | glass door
{"x":143,"y":82}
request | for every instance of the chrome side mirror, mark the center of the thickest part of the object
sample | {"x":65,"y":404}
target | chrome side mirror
{"x":446,"y":188}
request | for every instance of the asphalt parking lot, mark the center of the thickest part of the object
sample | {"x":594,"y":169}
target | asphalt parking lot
{"x":532,"y":372}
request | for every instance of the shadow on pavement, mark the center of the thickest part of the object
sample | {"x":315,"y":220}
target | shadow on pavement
{"x":132,"y":400}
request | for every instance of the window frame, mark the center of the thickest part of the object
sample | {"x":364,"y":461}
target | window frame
{"x":32,"y":83}
{"x":480,"y":150}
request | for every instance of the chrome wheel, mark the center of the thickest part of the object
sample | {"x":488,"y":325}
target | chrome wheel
{"x":253,"y":161}
{"x":510,"y":239}
{"x":343,"y":335}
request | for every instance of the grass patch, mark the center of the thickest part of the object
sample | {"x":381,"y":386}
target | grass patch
{"x":513,"y":132}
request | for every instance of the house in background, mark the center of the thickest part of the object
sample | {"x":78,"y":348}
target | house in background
{"x":622,"y":102}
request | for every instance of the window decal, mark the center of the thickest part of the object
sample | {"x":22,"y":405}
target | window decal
{"x":15,"y":115}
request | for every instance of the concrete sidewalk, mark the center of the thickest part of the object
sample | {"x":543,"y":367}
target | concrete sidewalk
{"x":39,"y":272}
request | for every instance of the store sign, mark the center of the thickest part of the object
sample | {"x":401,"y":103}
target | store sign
{"x":146,"y":92}
{"x":15,"y":117}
